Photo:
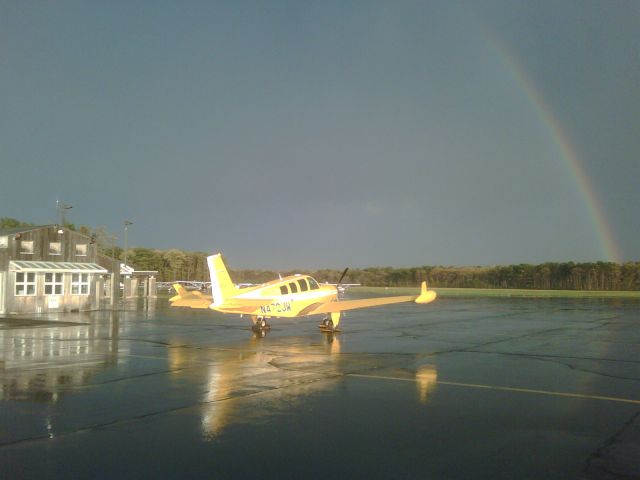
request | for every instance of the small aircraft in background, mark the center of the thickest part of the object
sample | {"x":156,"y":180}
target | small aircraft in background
{"x":292,"y":296}
{"x":193,"y":284}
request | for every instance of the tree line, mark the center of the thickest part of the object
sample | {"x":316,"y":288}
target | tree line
{"x":178,"y":265}
{"x":175,"y":264}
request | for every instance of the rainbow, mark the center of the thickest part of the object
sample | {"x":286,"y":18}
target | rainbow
{"x":597,"y":213}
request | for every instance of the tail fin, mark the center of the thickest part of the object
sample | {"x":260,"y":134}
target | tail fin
{"x":221,"y":285}
{"x":186,"y":298}
{"x":180,"y":290}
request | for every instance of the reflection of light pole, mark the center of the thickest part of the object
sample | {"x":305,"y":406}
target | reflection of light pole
{"x":126,"y":224}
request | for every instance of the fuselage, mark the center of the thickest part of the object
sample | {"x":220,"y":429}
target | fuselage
{"x":292,"y":296}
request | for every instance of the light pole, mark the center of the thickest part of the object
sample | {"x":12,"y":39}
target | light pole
{"x":126,"y":225}
{"x":62,"y":208}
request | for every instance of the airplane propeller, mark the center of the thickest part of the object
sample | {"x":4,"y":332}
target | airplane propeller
{"x":342,"y":276}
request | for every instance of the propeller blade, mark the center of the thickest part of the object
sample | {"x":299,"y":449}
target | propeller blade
{"x":343,"y":275}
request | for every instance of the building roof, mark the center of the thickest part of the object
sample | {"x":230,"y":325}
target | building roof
{"x":129,"y":270}
{"x":13,"y":231}
{"x":58,"y":267}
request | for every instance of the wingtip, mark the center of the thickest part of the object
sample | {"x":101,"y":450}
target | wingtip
{"x":426,"y":296}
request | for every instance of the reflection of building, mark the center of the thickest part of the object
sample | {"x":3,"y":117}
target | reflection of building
{"x":39,"y":363}
{"x":53,"y":269}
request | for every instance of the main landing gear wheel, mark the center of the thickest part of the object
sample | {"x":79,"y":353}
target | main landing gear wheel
{"x":260,"y":324}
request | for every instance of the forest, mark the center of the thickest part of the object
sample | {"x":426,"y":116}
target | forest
{"x":175,"y":264}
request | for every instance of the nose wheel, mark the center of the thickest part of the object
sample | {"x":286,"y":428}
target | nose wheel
{"x":326,"y":324}
{"x":330,"y":323}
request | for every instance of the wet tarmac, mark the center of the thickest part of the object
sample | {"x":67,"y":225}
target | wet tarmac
{"x":461,"y":388}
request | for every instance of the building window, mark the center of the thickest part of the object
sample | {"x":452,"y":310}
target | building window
{"x":4,"y":241}
{"x":55,"y":248}
{"x":25,"y":284}
{"x":53,"y":284}
{"x":26,"y":246}
{"x":81,"y":250}
{"x":80,"y":284}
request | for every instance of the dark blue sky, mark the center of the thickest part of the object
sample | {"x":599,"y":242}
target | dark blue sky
{"x":310,"y":134}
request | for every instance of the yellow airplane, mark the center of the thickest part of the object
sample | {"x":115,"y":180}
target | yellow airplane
{"x":293,"y":296}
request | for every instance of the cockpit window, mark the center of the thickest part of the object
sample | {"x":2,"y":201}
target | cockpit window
{"x":293,"y":287}
{"x":284,"y":290}
{"x":303,"y":285}
{"x":313,"y":284}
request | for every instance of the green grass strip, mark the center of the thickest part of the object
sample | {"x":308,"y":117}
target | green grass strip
{"x":498,"y":292}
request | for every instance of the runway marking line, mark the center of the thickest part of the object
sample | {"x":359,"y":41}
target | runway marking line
{"x":507,"y":389}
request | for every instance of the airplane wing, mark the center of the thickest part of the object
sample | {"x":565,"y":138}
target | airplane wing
{"x":338,"y":306}
{"x":426,"y":296}
{"x":189,"y":298}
